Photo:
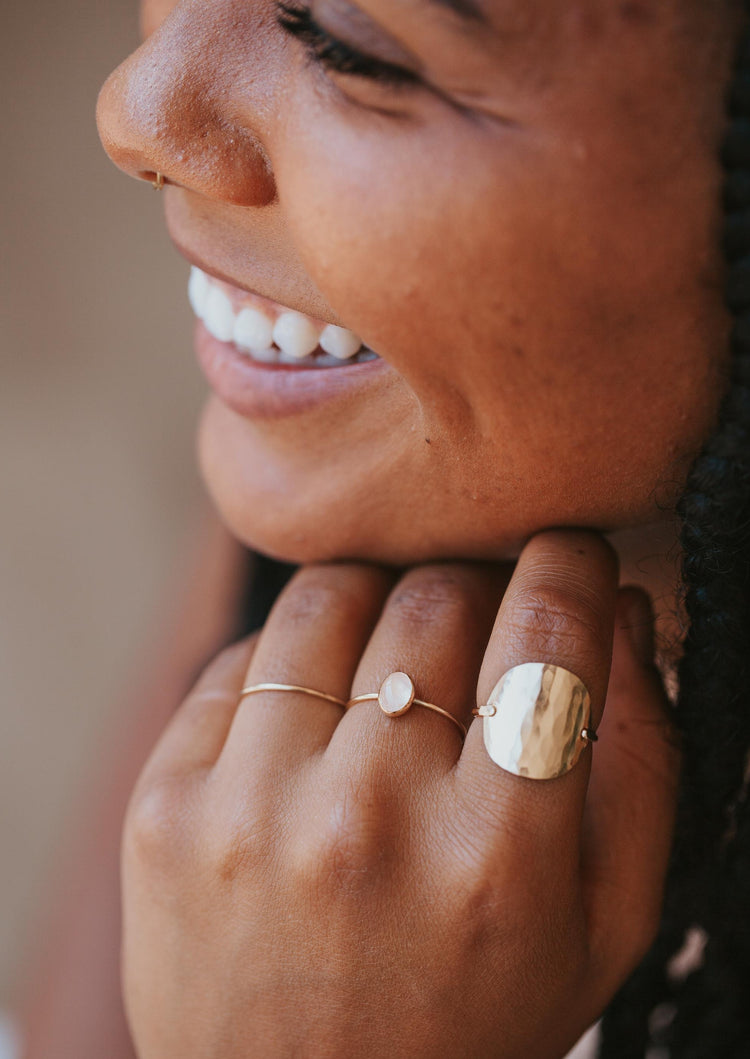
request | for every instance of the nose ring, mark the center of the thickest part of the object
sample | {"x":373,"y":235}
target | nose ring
{"x":158,"y":182}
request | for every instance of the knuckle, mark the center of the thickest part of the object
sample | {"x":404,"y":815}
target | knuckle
{"x":488,"y":899}
{"x":242,"y":853}
{"x":500,"y":916}
{"x":429,"y":595}
{"x":559,"y":620}
{"x":156,"y":831}
{"x":341,"y":855}
{"x":320,"y":590}
{"x":498,"y":814}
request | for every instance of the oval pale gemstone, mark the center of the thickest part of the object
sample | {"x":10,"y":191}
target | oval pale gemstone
{"x":396,"y":694}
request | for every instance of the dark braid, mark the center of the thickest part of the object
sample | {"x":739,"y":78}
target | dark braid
{"x":707,"y":1014}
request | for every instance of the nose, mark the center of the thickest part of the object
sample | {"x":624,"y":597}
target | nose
{"x":172,"y":108}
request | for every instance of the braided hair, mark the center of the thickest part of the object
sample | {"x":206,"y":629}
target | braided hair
{"x":704,"y":1012}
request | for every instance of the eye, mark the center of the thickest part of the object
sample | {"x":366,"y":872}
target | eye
{"x":333,"y":54}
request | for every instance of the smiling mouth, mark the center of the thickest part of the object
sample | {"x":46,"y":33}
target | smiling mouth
{"x":268,"y":333}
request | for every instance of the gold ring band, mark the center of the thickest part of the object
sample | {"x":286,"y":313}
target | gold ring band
{"x":537,"y":721}
{"x":255,"y":689}
{"x":158,"y":182}
{"x":397,"y":695}
{"x":588,"y":735}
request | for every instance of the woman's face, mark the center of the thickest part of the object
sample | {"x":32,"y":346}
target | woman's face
{"x":515,"y":204}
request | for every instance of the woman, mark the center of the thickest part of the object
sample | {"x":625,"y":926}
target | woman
{"x":460,"y":282}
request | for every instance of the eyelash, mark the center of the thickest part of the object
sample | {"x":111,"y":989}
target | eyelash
{"x":334,"y":54}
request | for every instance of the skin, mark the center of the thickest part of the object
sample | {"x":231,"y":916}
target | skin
{"x":299,"y":880}
{"x":543,"y":282}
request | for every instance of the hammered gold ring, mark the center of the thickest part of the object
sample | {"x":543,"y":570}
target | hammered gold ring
{"x":397,"y":695}
{"x":537,"y":721}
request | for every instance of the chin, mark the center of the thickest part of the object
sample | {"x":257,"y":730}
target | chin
{"x":302,"y":510}
{"x":297,"y":514}
{"x":314,"y":512}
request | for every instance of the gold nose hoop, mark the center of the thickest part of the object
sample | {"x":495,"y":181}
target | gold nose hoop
{"x":158,"y":182}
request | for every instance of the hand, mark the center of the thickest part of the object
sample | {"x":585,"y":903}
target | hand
{"x":300,"y":881}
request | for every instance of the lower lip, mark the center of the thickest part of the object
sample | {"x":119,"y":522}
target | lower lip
{"x":269,"y":391}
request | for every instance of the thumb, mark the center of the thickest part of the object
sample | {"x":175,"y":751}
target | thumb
{"x":632,"y":798}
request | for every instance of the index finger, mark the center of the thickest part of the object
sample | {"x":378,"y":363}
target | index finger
{"x":559,"y":610}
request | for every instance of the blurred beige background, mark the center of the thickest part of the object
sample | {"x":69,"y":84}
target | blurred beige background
{"x":98,"y":403}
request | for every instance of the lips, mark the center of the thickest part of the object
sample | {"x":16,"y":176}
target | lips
{"x":267,"y":332}
{"x":264,"y":360}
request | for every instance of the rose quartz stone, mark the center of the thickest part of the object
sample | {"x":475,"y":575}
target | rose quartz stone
{"x":396,"y":693}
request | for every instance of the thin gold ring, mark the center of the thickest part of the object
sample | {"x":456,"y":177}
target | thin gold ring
{"x":254,"y":689}
{"x":395,"y":707}
{"x":158,"y":182}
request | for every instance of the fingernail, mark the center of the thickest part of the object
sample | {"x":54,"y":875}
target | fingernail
{"x":635,"y":616}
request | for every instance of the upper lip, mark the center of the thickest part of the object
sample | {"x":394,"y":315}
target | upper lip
{"x":225,"y":277}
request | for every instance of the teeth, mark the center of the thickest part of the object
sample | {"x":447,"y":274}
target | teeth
{"x":295,"y":335}
{"x":219,"y":315}
{"x":198,"y":288}
{"x":253,"y":331}
{"x":256,"y":331}
{"x":265,"y":356}
{"x":339,"y":342}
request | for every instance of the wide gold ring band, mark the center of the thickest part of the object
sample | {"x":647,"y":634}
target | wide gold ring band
{"x":537,"y":721}
{"x":397,"y":695}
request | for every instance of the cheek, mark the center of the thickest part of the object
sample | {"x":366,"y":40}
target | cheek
{"x":565,"y":360}
{"x":396,"y":239}
{"x":362,"y":214}
{"x":563,"y":330}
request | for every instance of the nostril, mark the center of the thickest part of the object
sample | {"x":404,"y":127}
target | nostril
{"x":156,"y":179}
{"x":164,"y":121}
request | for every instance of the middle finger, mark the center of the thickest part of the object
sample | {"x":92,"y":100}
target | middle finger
{"x":434,"y":627}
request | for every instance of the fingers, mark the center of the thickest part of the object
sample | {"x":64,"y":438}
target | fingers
{"x":434,"y":627}
{"x":314,"y":637}
{"x":194,"y":737}
{"x":559,"y":609}
{"x":632,"y":798}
